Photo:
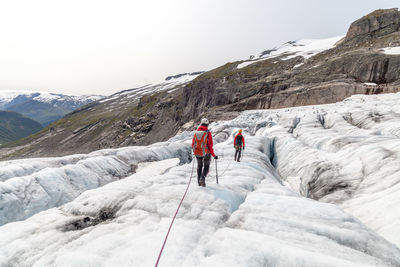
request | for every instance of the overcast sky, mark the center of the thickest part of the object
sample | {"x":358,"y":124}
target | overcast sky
{"x":101,"y":47}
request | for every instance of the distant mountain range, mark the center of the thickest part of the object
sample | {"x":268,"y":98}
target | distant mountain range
{"x":110,"y":122}
{"x":14,"y":126}
{"x":43,"y":107}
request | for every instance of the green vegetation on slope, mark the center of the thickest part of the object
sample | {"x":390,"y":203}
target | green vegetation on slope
{"x":43,"y":113}
{"x":14,"y":126}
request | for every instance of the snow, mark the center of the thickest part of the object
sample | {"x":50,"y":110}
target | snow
{"x":305,"y":48}
{"x":392,"y":50}
{"x":297,"y":65}
{"x":8,"y":96}
{"x":22,"y":167}
{"x":247,"y":63}
{"x":344,"y":155}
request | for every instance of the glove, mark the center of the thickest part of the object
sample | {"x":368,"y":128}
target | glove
{"x":216,"y":157}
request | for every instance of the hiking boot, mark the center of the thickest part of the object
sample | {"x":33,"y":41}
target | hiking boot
{"x":202,"y":182}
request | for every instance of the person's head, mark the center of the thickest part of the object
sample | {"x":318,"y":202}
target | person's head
{"x":204,"y":122}
{"x":240,"y":131}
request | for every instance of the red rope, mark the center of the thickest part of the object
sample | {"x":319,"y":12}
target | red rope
{"x":173,"y":219}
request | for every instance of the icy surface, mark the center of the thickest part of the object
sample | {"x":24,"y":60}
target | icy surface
{"x":305,"y":48}
{"x":30,"y":186}
{"x":344,"y":157}
{"x":346,"y":153}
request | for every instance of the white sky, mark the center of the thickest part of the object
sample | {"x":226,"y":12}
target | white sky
{"x":101,"y":47}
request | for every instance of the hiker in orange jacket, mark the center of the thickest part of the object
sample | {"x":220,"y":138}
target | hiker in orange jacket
{"x":202,"y":145}
{"x":238,"y":143}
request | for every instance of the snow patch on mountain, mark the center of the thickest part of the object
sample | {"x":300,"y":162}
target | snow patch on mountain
{"x":305,"y":48}
{"x":392,"y":50}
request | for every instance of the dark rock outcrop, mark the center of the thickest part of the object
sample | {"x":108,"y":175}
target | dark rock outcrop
{"x":183,"y":74}
{"x":379,"y":22}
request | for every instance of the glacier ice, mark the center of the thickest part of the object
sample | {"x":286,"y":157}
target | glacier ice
{"x":318,"y":186}
{"x":30,"y":186}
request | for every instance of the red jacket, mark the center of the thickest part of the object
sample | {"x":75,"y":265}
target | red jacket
{"x":209,"y":140}
{"x":234,"y":140}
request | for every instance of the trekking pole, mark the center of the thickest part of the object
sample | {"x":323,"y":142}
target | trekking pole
{"x":242,"y":154}
{"x":216,"y":171}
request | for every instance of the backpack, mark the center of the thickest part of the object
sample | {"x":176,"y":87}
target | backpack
{"x":200,"y":148}
{"x":239,"y":139}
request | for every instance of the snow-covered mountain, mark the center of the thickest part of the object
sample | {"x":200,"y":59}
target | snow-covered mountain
{"x":43,"y":107}
{"x":317,"y":186}
{"x":8,"y":98}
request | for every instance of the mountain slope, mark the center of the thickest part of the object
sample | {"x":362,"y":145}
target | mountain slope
{"x":304,"y":72}
{"x":122,"y":119}
{"x":41,"y":106}
{"x":14,"y":126}
{"x":258,"y":213}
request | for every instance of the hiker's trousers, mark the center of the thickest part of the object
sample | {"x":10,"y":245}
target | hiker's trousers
{"x":203,"y":166}
{"x":238,"y":153}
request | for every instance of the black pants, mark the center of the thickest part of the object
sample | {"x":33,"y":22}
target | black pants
{"x":238,"y":153}
{"x":203,"y":166}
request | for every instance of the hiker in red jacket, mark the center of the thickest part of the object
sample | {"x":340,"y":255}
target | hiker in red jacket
{"x":202,"y":145}
{"x":238,"y":143}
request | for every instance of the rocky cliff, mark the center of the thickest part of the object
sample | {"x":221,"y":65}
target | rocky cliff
{"x":378,"y":23}
{"x":356,"y":65}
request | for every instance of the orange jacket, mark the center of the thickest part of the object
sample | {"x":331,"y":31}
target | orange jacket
{"x":209,"y":140}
